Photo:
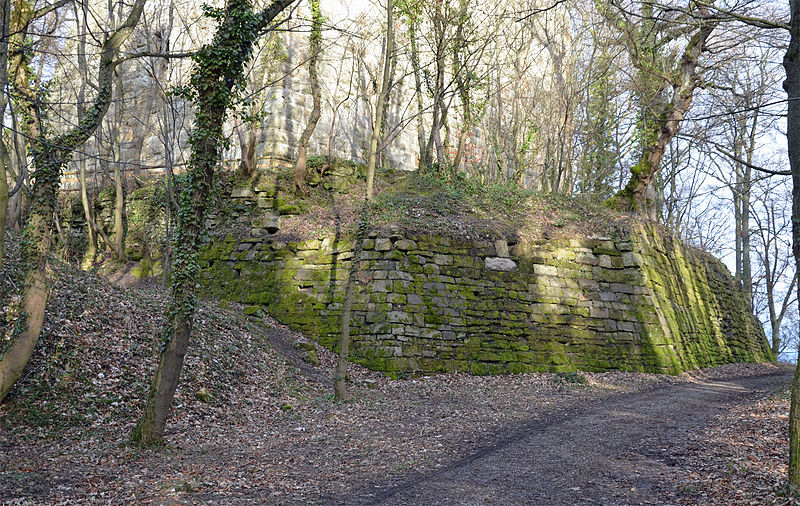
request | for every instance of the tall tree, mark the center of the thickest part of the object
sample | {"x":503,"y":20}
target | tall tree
{"x":5,"y":160}
{"x":791,"y":85}
{"x":411,"y":12}
{"x":683,"y":77}
{"x":219,"y":67}
{"x":50,"y":156}
{"x":791,"y":64}
{"x":82,"y":16}
{"x":772,"y":250}
{"x":314,"y":48}
{"x":383,"y":97}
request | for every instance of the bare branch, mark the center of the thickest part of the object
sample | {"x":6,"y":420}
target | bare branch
{"x":535,"y":12}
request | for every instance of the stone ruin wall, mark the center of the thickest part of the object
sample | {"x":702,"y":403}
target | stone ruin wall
{"x":433,"y":304}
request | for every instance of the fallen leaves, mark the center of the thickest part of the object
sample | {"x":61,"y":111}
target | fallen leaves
{"x":271,"y":433}
{"x":742,"y":457}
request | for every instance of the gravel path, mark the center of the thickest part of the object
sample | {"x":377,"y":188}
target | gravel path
{"x":619,"y":450}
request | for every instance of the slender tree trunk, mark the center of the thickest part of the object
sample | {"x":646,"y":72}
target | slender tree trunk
{"x":463,"y":81}
{"x":218,"y":66}
{"x":18,"y":159}
{"x":119,"y":174}
{"x":168,"y":214}
{"x":382,"y":98}
{"x":791,"y":64}
{"x":119,"y":212}
{"x":737,"y":217}
{"x":747,"y":272}
{"x":5,"y":14}
{"x":91,"y":250}
{"x":50,"y":156}
{"x":314,"y":48}
{"x":424,"y":154}
{"x":340,"y":380}
{"x":16,"y":201}
{"x":462,"y":142}
{"x":168,"y":117}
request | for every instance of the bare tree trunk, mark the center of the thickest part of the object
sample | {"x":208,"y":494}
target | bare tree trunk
{"x":50,"y":156}
{"x":382,"y":98}
{"x":218,"y":66}
{"x":168,"y":117}
{"x":791,"y":64}
{"x":463,"y":81}
{"x":248,"y":142}
{"x":5,"y":13}
{"x":314,"y":48}
{"x":91,"y":251}
{"x":119,"y":175}
{"x":462,"y":142}
{"x":424,"y":155}
{"x":636,"y":196}
{"x":747,"y":272}
{"x":18,"y":160}
{"x":82,"y":17}
{"x":119,"y":213}
{"x":340,"y":380}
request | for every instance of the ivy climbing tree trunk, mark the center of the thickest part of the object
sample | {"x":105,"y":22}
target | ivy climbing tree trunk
{"x":218,"y":67}
{"x":50,"y":155}
{"x":314,"y":48}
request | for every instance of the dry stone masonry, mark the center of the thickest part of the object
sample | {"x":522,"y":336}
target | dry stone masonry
{"x":434,"y":304}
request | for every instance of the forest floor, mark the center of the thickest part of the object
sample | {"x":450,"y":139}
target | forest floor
{"x":272,"y":433}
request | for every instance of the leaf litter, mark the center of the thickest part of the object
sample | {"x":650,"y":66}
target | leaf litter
{"x":271,"y":432}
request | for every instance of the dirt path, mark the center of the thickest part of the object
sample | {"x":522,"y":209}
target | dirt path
{"x":620,"y":450}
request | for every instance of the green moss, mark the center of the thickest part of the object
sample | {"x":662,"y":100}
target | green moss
{"x":289,"y":209}
{"x":515,"y":321}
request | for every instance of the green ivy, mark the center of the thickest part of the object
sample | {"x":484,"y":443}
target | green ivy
{"x":214,"y":89}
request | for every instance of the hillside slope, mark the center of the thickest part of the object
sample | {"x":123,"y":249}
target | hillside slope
{"x":270,"y":433}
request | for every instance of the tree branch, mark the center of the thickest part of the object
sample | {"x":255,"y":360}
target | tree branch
{"x":154,"y":54}
{"x":747,"y":164}
{"x":752,"y":21}
{"x":535,"y":12}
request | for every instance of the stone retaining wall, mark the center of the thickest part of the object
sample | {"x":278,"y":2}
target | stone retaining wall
{"x":432,"y":304}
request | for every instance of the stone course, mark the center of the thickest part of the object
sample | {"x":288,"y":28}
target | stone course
{"x":434,"y":304}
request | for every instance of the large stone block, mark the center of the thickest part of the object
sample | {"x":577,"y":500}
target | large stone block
{"x":500,"y":264}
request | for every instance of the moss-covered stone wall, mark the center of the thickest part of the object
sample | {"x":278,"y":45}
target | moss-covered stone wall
{"x":433,"y":304}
